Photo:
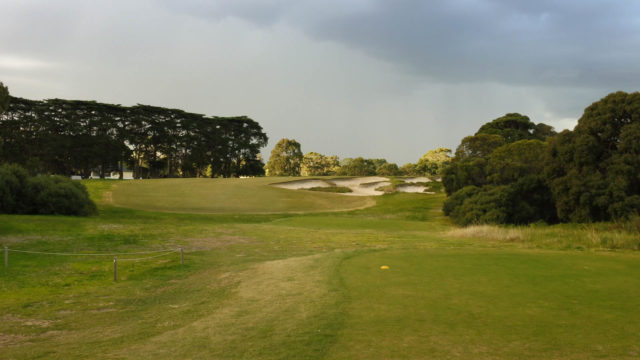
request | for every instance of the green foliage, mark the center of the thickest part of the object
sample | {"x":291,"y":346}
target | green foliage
{"x":13,"y":179}
{"x":525,"y":201}
{"x":514,"y":127}
{"x":495,"y":175}
{"x":478,"y":146}
{"x":286,"y":159}
{"x":409,"y":169}
{"x":434,"y":161}
{"x":463,"y":173}
{"x":4,"y":98}
{"x":388,"y":169}
{"x":58,"y":195}
{"x":358,"y":167}
{"x":512,"y":161}
{"x":21,"y":194}
{"x":73,"y":137}
{"x":315,"y":164}
{"x":593,"y":170}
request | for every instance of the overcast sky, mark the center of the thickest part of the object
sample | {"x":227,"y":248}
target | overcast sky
{"x":390,"y":79}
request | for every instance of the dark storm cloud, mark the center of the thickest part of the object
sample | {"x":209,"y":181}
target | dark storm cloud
{"x":569,"y":43}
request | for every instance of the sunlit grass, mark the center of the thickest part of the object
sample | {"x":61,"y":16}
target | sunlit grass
{"x":288,"y":286}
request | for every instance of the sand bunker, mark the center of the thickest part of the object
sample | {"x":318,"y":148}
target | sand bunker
{"x":413,"y":180}
{"x":411,"y":188}
{"x":360,"y":186}
{"x":303,"y":184}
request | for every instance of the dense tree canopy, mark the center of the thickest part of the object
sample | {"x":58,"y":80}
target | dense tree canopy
{"x":4,"y":98}
{"x":358,"y":167}
{"x":513,"y":127}
{"x":286,"y":159}
{"x":434,"y":161}
{"x":594,"y":170}
{"x":316,"y":164}
{"x":69,"y":137}
{"x":589,"y":174}
{"x":495,"y":175}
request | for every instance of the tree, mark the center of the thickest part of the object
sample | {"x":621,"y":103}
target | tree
{"x":71,"y":137}
{"x":315,"y":164}
{"x":496,"y":175}
{"x":358,"y":167}
{"x":434,"y":161}
{"x":510,"y":162}
{"x":409,"y":169}
{"x":4,"y":98}
{"x":388,"y":169}
{"x":593,"y":170}
{"x":286,"y":159}
{"x":513,"y":127}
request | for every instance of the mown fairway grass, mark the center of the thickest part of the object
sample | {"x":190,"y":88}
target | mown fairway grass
{"x":309,"y":285}
{"x":228,"y":196}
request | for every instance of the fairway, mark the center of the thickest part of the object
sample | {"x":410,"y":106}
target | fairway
{"x":281,"y":285}
{"x":218,"y":196}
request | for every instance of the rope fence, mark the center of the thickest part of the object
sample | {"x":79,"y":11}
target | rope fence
{"x":115,"y":255}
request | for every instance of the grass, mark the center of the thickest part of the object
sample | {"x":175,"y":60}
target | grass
{"x":227,"y":196}
{"x":308,"y":285}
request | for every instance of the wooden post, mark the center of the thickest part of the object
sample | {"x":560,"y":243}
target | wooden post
{"x":6,"y":257}
{"x":181,"y":256}
{"x":115,"y":268}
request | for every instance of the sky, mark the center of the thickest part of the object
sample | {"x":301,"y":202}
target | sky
{"x":371,"y":78}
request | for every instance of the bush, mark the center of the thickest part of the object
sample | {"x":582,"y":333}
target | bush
{"x":21,"y":194}
{"x":58,"y":195}
{"x":526,"y":201}
{"x":13,"y":180}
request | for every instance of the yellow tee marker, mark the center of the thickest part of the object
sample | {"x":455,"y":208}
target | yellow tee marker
{"x":384,"y":267}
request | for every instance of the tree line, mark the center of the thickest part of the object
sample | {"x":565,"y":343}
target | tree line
{"x":287,"y":159}
{"x":74,"y":137}
{"x":515,"y":171}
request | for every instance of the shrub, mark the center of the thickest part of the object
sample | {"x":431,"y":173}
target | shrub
{"x":13,"y":179}
{"x":21,"y":194}
{"x":58,"y":195}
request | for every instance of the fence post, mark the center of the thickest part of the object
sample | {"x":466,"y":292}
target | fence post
{"x":181,"y":256}
{"x":115,"y":268}
{"x":6,"y":257}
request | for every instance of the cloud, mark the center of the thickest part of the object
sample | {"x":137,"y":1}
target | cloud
{"x":371,"y":78}
{"x":547,"y":43}
{"x":18,"y":63}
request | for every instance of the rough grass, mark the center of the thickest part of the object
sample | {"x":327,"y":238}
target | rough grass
{"x":283,"y":286}
{"x":563,"y":236}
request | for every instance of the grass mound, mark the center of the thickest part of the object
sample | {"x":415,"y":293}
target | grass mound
{"x":227,"y":196}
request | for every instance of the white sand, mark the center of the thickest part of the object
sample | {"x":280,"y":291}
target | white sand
{"x":360,"y":186}
{"x":417,"y":179}
{"x":303,"y":184}
{"x":410,"y":188}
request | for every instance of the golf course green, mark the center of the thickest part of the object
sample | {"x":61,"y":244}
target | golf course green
{"x":271,"y":273}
